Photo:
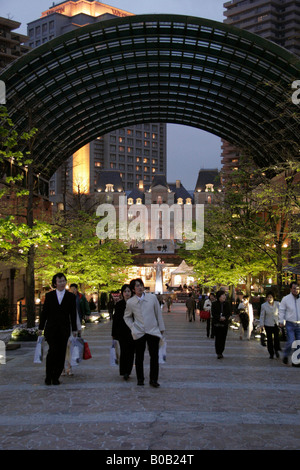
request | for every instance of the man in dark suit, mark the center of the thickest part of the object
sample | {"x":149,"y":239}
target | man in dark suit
{"x":57,"y":319}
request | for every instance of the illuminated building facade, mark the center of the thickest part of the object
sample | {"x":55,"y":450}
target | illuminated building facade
{"x":11,"y":43}
{"x":138,"y":152}
{"x":154,"y":243}
{"x":275,"y":20}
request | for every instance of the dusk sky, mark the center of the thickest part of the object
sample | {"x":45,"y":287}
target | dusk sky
{"x":189,"y":149}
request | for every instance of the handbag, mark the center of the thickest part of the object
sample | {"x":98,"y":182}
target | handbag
{"x":86,"y":351}
{"x":204,"y":314}
{"x":39,"y":350}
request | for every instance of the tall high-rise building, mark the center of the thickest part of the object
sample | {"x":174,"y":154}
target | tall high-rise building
{"x":275,"y":20}
{"x":11,"y":43}
{"x":138,"y":152}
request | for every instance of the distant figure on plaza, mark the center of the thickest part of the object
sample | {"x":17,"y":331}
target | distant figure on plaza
{"x":159,"y":276}
{"x":245,"y":312}
{"x":160,"y":300}
{"x":58,"y":319}
{"x":169,"y":302}
{"x":207,"y":307}
{"x":190,"y":305}
{"x":144,"y":318}
{"x":220,"y":311}
{"x":269,"y":318}
{"x":83,"y":307}
{"x":111,"y":306}
{"x":289,"y":314}
{"x":122,"y":333}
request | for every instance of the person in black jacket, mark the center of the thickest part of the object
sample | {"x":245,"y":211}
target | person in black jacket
{"x":122,"y":333}
{"x":220,"y":312}
{"x":57,"y":319}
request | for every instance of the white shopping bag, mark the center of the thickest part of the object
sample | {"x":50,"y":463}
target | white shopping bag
{"x":76,"y":351}
{"x":113,"y":354}
{"x":39,"y":350}
{"x":162,"y":352}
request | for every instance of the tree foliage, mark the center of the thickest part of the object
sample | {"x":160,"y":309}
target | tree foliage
{"x":250,"y":228}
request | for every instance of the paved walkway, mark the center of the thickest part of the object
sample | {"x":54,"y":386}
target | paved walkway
{"x":245,"y":401}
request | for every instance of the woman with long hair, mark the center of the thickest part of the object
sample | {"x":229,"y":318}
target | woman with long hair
{"x":122,"y":333}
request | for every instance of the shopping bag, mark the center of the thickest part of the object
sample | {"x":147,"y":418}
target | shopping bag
{"x":204,"y":314}
{"x":86,"y":351}
{"x":76,"y":351}
{"x":162,"y":351}
{"x":39,"y":350}
{"x":113,"y":354}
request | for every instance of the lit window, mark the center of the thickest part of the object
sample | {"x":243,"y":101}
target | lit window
{"x":180,"y":200}
{"x":209,"y":188}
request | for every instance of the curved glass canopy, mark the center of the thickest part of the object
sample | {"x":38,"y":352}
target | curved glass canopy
{"x":155,"y":68}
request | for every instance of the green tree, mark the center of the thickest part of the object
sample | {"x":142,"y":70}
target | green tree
{"x":77,"y":251}
{"x":249,"y":230}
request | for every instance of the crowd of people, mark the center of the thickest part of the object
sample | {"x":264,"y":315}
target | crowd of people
{"x":274,"y":317}
{"x":137,"y":322}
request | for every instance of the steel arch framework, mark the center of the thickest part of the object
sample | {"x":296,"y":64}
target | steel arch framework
{"x":153,"y":68}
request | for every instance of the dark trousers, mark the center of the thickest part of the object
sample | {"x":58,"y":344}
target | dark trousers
{"x":273,"y":344}
{"x":55,"y":360}
{"x":153,"y":346}
{"x":208,"y":329}
{"x":220,"y":333}
{"x":126,"y":356}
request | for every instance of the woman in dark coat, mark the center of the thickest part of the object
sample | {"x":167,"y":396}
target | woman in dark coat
{"x":122,"y":333}
{"x":220,"y":312}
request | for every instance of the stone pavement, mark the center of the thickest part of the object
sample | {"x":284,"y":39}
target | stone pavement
{"x":245,"y":401}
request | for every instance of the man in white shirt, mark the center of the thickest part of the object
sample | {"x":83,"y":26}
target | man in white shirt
{"x":144,"y":318}
{"x":289,"y":312}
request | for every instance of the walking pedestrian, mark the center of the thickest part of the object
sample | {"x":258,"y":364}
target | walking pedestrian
{"x":269,"y":320}
{"x":169,"y":303}
{"x":220,"y":311}
{"x":207,"y":307}
{"x":111,"y":306}
{"x":289,"y":314}
{"x":122,"y":333}
{"x":190,"y":305}
{"x":245,"y":312}
{"x":144,"y":317}
{"x":83,"y":307}
{"x":57,"y":319}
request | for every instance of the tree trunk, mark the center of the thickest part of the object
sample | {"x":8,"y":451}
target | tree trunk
{"x":279,"y":271}
{"x":29,"y":294}
{"x":29,"y":290}
{"x":248,"y":285}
